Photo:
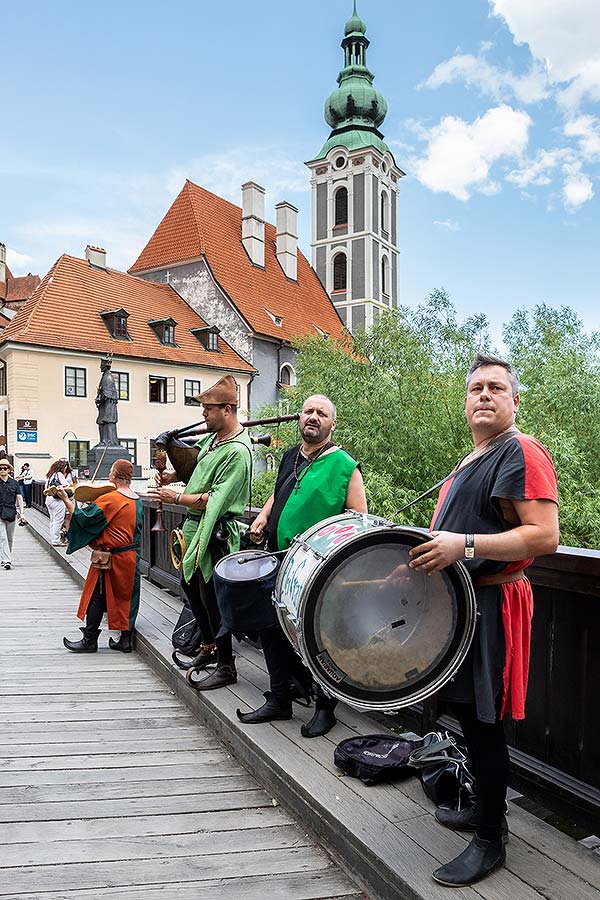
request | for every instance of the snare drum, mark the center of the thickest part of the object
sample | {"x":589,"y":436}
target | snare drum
{"x":375,"y":633}
{"x":244,"y":584}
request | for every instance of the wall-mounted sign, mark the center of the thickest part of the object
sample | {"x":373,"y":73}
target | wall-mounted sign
{"x":27,"y":425}
{"x":29,"y":437}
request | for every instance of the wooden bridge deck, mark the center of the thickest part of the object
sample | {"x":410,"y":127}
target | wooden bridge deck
{"x":110,"y":787}
{"x":386,"y":836}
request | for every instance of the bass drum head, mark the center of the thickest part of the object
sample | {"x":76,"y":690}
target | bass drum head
{"x":246,"y":565}
{"x":379,"y":634}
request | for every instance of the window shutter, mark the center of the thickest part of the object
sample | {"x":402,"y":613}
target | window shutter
{"x":171,"y":390}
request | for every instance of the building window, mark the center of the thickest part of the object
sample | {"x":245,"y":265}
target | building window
{"x":130,"y":445}
{"x":287,"y":376}
{"x":3,"y":381}
{"x":190,"y":389}
{"x":75,"y":382}
{"x":161,"y":389}
{"x":122,"y":384}
{"x":340,"y":272}
{"x":340,"y":162}
{"x":341,"y":207}
{"x":385,"y":275}
{"x":385,"y":213}
{"x":208,"y":337}
{"x":116,"y":323}
{"x":164,"y":329}
{"x":78,"y":454}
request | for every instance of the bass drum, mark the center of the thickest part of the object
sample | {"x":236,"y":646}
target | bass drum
{"x":374,"y":633}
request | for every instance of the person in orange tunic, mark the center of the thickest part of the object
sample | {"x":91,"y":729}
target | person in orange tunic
{"x":113,"y":522}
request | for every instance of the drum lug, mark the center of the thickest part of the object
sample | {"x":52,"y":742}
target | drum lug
{"x":309,"y":549}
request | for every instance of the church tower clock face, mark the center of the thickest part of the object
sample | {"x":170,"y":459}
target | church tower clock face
{"x":355,"y":193}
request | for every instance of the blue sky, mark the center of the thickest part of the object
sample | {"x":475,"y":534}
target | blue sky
{"x":493,"y":113}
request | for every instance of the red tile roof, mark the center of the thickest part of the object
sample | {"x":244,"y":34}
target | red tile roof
{"x":65,"y":312}
{"x":201,"y":224}
{"x":20,"y":288}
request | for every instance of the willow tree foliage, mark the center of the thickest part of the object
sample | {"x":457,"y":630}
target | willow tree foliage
{"x":400,"y":388}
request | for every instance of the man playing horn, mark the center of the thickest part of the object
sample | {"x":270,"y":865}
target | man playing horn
{"x":496,"y":516}
{"x":316,"y":480}
{"x":217,"y":491}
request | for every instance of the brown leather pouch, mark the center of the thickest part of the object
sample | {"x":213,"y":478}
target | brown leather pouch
{"x":101,"y":559}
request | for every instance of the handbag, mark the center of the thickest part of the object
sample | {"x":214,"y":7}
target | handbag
{"x":187,"y":636}
{"x":374,"y":758}
{"x":443,"y":770}
{"x":101,"y":559}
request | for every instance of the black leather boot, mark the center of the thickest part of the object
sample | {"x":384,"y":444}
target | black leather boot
{"x":123,"y":644}
{"x":223,"y":675}
{"x":465,"y":819}
{"x":274,"y":709}
{"x":323,"y":719}
{"x":477,"y":861}
{"x":88,"y":643}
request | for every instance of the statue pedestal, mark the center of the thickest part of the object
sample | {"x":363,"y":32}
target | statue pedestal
{"x":111,"y":455}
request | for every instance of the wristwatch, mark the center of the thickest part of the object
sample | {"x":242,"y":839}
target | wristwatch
{"x":469,"y":546}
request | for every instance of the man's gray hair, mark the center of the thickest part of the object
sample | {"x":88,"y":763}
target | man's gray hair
{"x":325,"y":397}
{"x":486,"y":359}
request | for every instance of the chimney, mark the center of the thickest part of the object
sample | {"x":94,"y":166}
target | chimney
{"x":2,"y":262}
{"x":287,"y":239}
{"x":253,"y":222}
{"x":96,"y":256}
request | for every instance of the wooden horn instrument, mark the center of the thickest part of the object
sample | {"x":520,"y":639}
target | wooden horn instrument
{"x":183,"y":458}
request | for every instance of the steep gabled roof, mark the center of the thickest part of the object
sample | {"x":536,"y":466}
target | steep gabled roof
{"x":19,"y":288}
{"x":201,"y":224}
{"x":64,"y":312}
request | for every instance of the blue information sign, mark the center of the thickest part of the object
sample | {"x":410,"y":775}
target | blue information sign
{"x":29,"y":437}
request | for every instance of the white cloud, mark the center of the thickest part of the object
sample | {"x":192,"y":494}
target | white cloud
{"x":448,"y":224}
{"x":538,"y":171}
{"x":477,"y":72}
{"x":587,"y":129}
{"x":565,"y":35}
{"x":224,"y":173}
{"x":122,"y":238}
{"x":18,"y":263}
{"x":577,"y":187}
{"x":459,"y":154}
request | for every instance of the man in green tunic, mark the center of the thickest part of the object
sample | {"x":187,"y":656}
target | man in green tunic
{"x":217,"y":491}
{"x":316,"y":480}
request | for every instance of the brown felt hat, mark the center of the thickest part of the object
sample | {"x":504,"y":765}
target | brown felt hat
{"x":224,"y":391}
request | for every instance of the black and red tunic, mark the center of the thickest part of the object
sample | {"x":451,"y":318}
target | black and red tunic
{"x":498,"y":660}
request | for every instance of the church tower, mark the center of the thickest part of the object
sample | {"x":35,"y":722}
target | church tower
{"x":355,"y":193}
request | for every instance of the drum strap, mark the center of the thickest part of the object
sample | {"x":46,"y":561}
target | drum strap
{"x":474,"y":462}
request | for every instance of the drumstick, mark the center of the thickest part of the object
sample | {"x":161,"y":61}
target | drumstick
{"x":366,"y":581}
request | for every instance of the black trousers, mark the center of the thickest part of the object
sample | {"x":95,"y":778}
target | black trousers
{"x":488,"y":753}
{"x":203,"y":602}
{"x":96,"y":608}
{"x":283,"y":663}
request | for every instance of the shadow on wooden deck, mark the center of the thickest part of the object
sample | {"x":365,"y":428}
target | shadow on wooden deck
{"x":385,"y":836}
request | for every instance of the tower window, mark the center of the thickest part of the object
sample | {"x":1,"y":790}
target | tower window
{"x":340,"y":272}
{"x":385,"y":275}
{"x":340,"y":162}
{"x":341,"y":207}
{"x":385,"y":212}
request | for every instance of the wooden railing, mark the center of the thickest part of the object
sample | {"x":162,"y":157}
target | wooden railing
{"x":557,"y":746}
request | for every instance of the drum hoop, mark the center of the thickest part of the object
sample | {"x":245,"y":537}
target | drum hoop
{"x":427,"y":690}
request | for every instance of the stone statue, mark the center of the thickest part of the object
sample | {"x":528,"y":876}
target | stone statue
{"x":106,"y":401}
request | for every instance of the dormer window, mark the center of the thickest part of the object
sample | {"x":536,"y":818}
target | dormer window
{"x":208,"y":337}
{"x":116,"y":323}
{"x":164,"y":329}
{"x":276,"y":319}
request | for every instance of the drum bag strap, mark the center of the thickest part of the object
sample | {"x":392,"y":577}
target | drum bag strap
{"x":491,"y":448}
